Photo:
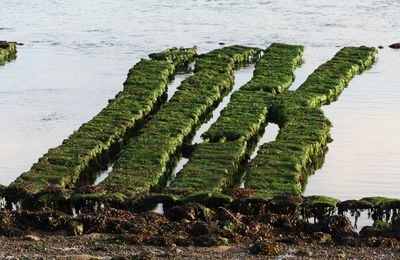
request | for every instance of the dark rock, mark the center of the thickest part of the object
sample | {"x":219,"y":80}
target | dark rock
{"x":190,"y":211}
{"x":265,"y":248}
{"x":395,"y":45}
{"x":4,"y":44}
{"x":368,"y":231}
{"x":75,"y":228}
{"x":322,"y":238}
{"x":382,"y":242}
{"x":221,"y":43}
{"x":338,"y":226}
{"x":347,"y":240}
{"x":302,"y":253}
{"x":208,"y":240}
{"x":199,"y":228}
{"x":395,"y":226}
{"x":380,"y":47}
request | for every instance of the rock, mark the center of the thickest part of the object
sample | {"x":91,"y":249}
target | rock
{"x":338,"y":226}
{"x":32,"y":238}
{"x":75,"y":228}
{"x":221,"y":43}
{"x":322,"y":238}
{"x":382,"y":242}
{"x":395,"y":226}
{"x":380,"y":47}
{"x":191,"y":211}
{"x":208,"y":240}
{"x":4,"y":44}
{"x":199,"y":228}
{"x":302,"y":253}
{"x":265,"y":248}
{"x":342,"y":255}
{"x":395,"y":45}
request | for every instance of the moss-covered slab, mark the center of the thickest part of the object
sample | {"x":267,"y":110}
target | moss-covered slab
{"x":143,"y":164}
{"x":326,"y":83}
{"x":176,"y":55}
{"x":213,"y":165}
{"x":210,"y":169}
{"x":282,"y":165}
{"x":96,"y":141}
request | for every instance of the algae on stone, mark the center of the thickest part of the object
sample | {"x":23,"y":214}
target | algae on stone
{"x":103,"y":136}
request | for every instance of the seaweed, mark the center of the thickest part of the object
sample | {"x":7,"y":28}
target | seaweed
{"x":175,"y":55}
{"x":213,"y":164}
{"x":210,"y":168}
{"x":8,"y":51}
{"x":282,"y":166}
{"x":143,"y":165}
{"x":97,"y":141}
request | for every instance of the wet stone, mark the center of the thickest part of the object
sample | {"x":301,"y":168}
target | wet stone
{"x":75,"y":228}
{"x":395,"y":45}
{"x":266,"y":248}
{"x":338,"y":226}
{"x":190,"y":211}
{"x":321,"y":238}
{"x":199,"y":228}
{"x":4,"y":44}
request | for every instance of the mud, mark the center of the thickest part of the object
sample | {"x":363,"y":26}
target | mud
{"x":184,"y":230}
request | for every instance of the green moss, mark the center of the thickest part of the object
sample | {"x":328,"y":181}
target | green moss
{"x":213,"y":165}
{"x":320,"y":201}
{"x":144,"y":162}
{"x":326,"y":83}
{"x":100,"y":138}
{"x":282,"y":165}
{"x":210,"y":169}
{"x":176,"y":55}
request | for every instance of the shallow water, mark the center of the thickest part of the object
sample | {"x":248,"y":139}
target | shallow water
{"x":77,"y":54}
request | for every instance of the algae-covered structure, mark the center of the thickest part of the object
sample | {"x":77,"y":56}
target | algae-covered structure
{"x":143,"y":135}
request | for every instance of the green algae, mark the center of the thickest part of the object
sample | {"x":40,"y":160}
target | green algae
{"x":326,"y":83}
{"x":176,"y":55}
{"x":96,"y":141}
{"x":210,"y":168}
{"x":213,"y":165}
{"x":281,"y":166}
{"x":143,"y":164}
{"x":8,"y":51}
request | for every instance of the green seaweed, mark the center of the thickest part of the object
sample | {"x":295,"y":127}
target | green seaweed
{"x":143,"y":164}
{"x":176,"y":55}
{"x":96,"y":141}
{"x":210,"y":168}
{"x":213,"y":165}
{"x":8,"y":51}
{"x":281,"y":166}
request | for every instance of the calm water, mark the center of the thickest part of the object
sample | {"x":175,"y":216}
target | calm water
{"x":76,"y":56}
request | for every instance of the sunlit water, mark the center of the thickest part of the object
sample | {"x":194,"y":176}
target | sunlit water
{"x":77,"y":54}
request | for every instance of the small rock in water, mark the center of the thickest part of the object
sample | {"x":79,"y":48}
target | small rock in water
{"x":380,"y":47}
{"x":221,"y":43}
{"x":4,"y":44}
{"x":395,"y":45}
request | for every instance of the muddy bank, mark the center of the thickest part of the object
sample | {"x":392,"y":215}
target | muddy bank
{"x":194,"y":230}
